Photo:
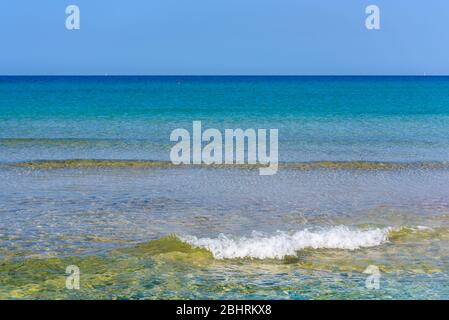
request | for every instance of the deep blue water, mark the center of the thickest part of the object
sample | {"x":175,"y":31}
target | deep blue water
{"x":319,"y":118}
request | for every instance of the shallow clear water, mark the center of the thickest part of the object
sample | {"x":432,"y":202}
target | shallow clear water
{"x":157,"y":231}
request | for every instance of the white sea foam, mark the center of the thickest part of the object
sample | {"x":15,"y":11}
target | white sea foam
{"x":282,"y":244}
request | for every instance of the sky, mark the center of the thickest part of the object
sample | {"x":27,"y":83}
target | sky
{"x":224,"y":37}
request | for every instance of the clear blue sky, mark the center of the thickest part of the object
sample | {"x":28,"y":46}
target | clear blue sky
{"x":224,"y":37}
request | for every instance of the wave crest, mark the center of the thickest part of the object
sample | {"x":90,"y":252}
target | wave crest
{"x":282,"y":244}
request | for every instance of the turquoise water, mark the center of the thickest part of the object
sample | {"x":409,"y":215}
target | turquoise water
{"x":320,"y":118}
{"x":365,"y":182}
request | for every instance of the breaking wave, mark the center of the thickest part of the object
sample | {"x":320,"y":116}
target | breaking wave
{"x":283,"y":244}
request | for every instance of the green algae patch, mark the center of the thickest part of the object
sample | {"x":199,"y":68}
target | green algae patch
{"x":155,"y":164}
{"x":100,"y":275}
{"x":93,"y":163}
{"x":170,"y":245}
{"x":420,"y":233}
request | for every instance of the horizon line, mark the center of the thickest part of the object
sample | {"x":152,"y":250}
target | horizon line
{"x":224,"y":75}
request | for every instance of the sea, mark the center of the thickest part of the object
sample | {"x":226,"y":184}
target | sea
{"x":358,"y":209}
